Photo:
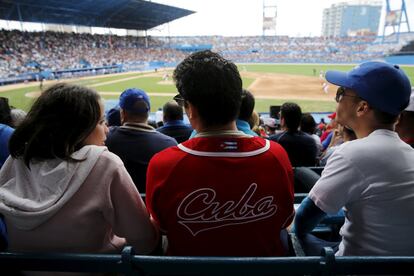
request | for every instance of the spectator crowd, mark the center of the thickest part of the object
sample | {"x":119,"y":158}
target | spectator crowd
{"x":26,"y":52}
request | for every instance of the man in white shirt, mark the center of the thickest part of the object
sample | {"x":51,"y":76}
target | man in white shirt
{"x":371,"y":178}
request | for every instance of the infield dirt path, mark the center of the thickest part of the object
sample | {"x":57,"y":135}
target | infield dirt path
{"x":264,"y":86}
{"x":285,"y":86}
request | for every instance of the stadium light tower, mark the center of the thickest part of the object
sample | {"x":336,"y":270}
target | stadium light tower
{"x":269,"y":17}
{"x":395,"y":18}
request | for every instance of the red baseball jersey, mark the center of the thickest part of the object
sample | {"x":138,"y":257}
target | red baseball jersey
{"x":222,"y":196}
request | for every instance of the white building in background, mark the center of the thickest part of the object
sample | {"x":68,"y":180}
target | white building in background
{"x":351,"y":18}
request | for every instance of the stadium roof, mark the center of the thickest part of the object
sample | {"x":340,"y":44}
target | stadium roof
{"x":123,"y":14}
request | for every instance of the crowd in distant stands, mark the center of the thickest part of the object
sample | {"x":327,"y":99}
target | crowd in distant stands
{"x":24,"y":52}
{"x":295,"y":49}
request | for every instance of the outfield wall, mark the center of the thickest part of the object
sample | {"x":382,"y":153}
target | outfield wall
{"x":403,"y":59}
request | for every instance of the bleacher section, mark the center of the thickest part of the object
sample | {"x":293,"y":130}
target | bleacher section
{"x":406,"y":54}
{"x":52,"y":54}
{"x":281,"y":49}
{"x":34,"y":55}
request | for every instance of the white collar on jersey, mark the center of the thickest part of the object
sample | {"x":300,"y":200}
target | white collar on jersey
{"x":218,"y":133}
{"x":226,"y":154}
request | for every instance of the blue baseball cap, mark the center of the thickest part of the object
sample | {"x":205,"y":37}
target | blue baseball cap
{"x":113,"y":117}
{"x":129,"y":98}
{"x":384,"y":86}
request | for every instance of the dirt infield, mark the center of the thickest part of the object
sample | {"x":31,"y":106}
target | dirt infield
{"x":285,"y":86}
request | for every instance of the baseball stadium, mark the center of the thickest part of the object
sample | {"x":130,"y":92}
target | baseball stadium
{"x":275,"y":69}
{"x":70,"y":183}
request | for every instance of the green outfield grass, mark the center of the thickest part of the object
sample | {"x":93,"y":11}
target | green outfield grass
{"x":151,"y":84}
{"x":293,"y":69}
{"x":18,"y":99}
{"x":307,"y":69}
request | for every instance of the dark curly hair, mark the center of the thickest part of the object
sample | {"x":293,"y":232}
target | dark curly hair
{"x":212,"y":84}
{"x":247,"y":105}
{"x":292,"y":113}
{"x":57,"y":124}
{"x":308,"y":123}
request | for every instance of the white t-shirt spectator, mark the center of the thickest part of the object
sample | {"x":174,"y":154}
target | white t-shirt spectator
{"x":373,"y":178}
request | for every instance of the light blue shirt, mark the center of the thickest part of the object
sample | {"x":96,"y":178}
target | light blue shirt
{"x":243,"y":126}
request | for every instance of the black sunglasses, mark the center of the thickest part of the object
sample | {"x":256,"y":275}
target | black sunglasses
{"x":340,"y":93}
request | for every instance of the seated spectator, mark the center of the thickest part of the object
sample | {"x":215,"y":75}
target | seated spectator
{"x":174,"y":125}
{"x":246,"y":110}
{"x":254,"y":120}
{"x":322,"y":124}
{"x":372,"y":177}
{"x":113,"y":117}
{"x":209,"y":193}
{"x":135,"y":142}
{"x":255,"y":125}
{"x":270,"y":125}
{"x":308,"y":125}
{"x":6,"y":130}
{"x":62,"y":190}
{"x":320,"y":130}
{"x":327,"y":134}
{"x":405,"y":124}
{"x":340,"y":135}
{"x":300,"y":146}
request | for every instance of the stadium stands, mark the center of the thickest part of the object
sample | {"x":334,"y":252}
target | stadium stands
{"x":52,"y":54}
{"x":23,"y":52}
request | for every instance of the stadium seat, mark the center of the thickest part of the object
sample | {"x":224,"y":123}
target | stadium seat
{"x":305,"y":178}
{"x":61,"y":262}
{"x":318,"y":170}
{"x":129,"y":264}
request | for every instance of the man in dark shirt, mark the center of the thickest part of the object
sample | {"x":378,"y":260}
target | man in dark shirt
{"x":135,"y":142}
{"x":301,"y":147}
{"x":174,"y":125}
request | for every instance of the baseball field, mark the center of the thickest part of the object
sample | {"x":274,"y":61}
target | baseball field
{"x":272,"y":84}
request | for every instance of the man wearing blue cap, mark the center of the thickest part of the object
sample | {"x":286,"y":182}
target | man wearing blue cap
{"x":135,"y":142}
{"x":371,"y":178}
